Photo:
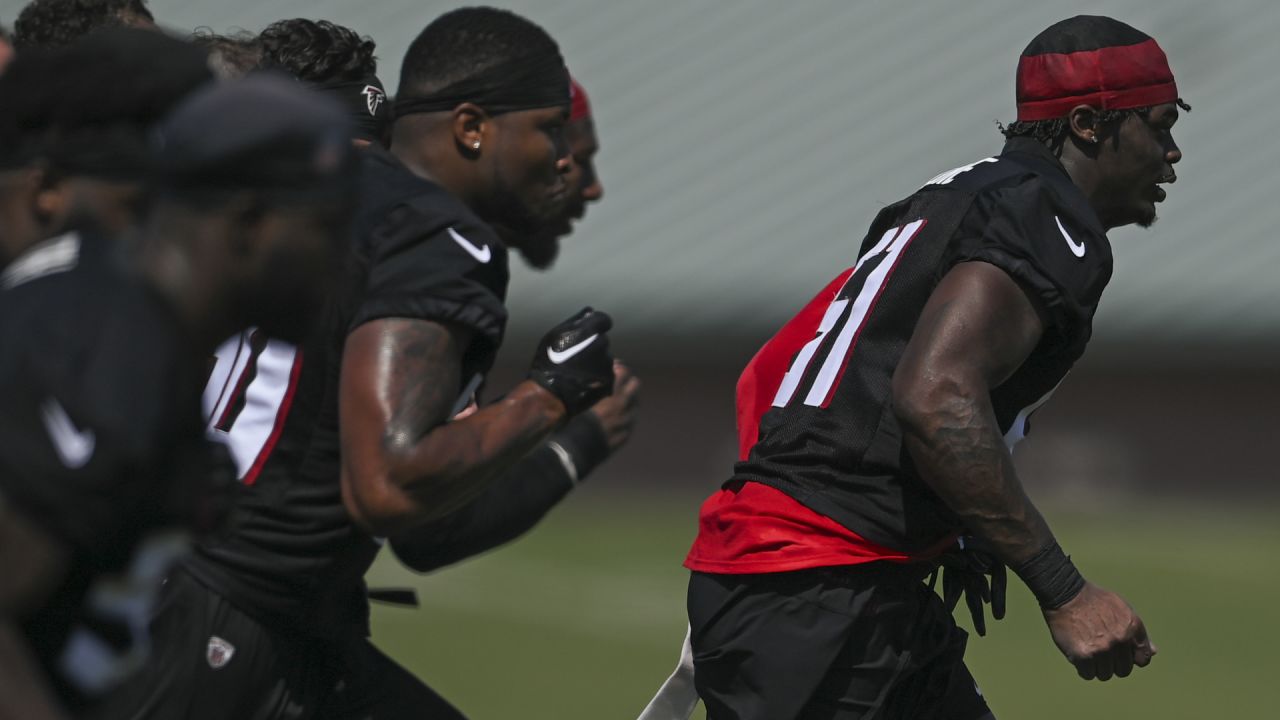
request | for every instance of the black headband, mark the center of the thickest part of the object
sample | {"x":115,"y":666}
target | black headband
{"x":365,"y":101}
{"x":522,"y":84}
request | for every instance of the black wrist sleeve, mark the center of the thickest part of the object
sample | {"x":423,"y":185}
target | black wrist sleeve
{"x":584,"y":441}
{"x":1051,"y":577}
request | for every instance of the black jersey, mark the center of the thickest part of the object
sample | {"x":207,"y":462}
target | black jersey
{"x":815,"y":411}
{"x":100,"y":445}
{"x":291,"y":553}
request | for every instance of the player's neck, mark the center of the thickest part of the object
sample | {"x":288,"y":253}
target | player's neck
{"x":432,"y":156}
{"x":1084,"y":175}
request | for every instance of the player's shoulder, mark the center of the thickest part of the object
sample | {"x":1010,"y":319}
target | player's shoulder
{"x":78,"y":326}
{"x":1024,"y":198}
{"x":393,"y":195}
{"x":58,"y":292}
{"x":1023,"y":214}
{"x":45,"y":268}
{"x":1025,"y":183}
{"x":411,"y":220}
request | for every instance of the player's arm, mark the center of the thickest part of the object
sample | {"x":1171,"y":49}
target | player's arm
{"x":34,"y":564}
{"x":976,"y":330}
{"x":978,"y":327}
{"x":402,"y":463}
{"x":517,"y":500}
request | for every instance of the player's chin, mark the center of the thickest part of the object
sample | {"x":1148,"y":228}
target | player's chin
{"x":1145,"y":215}
{"x":1140,"y":212}
{"x":540,"y":253}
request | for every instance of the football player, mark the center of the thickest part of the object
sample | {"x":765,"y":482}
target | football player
{"x":517,"y":501}
{"x":269,"y":619}
{"x":103,"y":462}
{"x":876,"y":426}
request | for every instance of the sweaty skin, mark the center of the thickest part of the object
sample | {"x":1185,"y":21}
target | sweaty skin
{"x":976,"y":330}
{"x":402,"y":463}
{"x":1119,"y":167}
{"x":517,"y":500}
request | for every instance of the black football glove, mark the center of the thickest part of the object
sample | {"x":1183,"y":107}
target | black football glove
{"x":965,"y":569}
{"x":573,"y":360}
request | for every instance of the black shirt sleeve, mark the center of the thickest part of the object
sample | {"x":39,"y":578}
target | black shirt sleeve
{"x":1028,"y":232}
{"x":437,"y":266}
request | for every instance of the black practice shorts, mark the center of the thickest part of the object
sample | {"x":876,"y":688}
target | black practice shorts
{"x":210,"y":661}
{"x":851,"y":643}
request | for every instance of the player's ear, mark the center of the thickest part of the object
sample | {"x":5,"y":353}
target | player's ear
{"x":50,"y":196}
{"x":470,"y":124}
{"x":1084,"y":125}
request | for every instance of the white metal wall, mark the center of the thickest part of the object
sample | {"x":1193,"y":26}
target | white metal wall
{"x":748,"y":144}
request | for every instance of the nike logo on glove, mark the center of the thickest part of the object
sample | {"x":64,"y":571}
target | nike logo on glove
{"x":481,"y":254}
{"x":1077,"y":249}
{"x":559,"y":357}
{"x":74,"y":447}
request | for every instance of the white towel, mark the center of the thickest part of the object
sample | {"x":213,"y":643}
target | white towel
{"x":677,"y":697}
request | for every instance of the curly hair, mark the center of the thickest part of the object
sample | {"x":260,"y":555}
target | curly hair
{"x":55,"y":23}
{"x":230,"y":56}
{"x":318,"y":51}
{"x":1054,"y":132}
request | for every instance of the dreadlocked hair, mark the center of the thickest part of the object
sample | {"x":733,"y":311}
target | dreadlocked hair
{"x":318,"y":51}
{"x":1054,"y":132}
{"x":55,"y":23}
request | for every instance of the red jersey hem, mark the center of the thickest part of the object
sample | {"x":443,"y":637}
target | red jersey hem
{"x":749,"y":567}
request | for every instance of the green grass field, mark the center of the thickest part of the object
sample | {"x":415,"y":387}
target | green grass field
{"x":583,"y":618}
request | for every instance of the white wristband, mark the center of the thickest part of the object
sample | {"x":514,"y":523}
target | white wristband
{"x":565,"y":460}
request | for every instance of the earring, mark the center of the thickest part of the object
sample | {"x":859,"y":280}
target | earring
{"x":1094,"y":139}
{"x":476,"y":145}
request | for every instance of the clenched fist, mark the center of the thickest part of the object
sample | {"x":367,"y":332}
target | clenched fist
{"x":573,"y":360}
{"x":1100,"y":633}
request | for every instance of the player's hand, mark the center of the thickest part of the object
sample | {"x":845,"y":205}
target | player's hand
{"x":1099,"y":632}
{"x":573,"y":361}
{"x":617,"y":413}
{"x":971,"y":570}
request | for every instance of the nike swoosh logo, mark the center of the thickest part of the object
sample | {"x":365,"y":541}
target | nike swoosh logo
{"x":1077,"y":249}
{"x":481,"y":254}
{"x":563,"y":355}
{"x":74,"y":447}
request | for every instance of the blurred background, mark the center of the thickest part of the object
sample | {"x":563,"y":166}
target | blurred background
{"x":746,"y":147}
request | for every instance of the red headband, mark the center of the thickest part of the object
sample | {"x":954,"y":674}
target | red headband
{"x":1109,"y":78}
{"x":579,"y":104}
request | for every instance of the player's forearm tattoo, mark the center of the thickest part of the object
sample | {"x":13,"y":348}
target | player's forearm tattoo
{"x":957,"y":446}
{"x":964,"y":457}
{"x":421,"y":368}
{"x":425,"y":466}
